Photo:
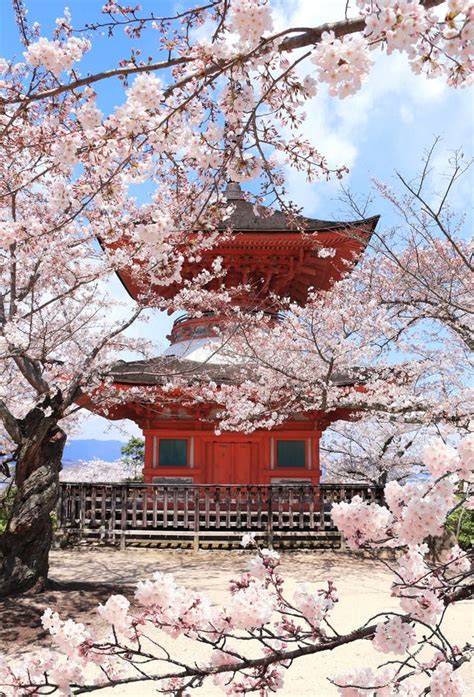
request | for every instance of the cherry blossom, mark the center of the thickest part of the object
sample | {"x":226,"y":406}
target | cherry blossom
{"x":444,"y":682}
{"x":313,"y":606}
{"x":56,"y":56}
{"x":440,"y":459}
{"x":251,"y":606}
{"x":98,"y":470}
{"x":115,"y":612}
{"x":251,"y":19}
{"x":343,"y":64}
{"x":361,"y":522}
{"x":365,"y":680}
{"x":67,"y":634}
{"x":198,"y":112}
{"x":394,"y":636}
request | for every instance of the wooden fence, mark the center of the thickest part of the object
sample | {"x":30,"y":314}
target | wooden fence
{"x":116,"y":512}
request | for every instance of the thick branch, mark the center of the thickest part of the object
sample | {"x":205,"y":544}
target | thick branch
{"x":306,"y":37}
{"x":9,"y":422}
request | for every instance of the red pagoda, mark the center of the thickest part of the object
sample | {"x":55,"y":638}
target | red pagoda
{"x":270,"y":257}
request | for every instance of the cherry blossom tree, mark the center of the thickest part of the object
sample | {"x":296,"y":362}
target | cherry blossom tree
{"x":391,"y":339}
{"x":372,"y":451}
{"x":200,"y":111}
{"x":97,"y":470}
{"x":263,"y":628}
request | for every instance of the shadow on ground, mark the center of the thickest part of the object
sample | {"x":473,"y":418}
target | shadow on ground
{"x":83,"y":577}
{"x":20,"y":616}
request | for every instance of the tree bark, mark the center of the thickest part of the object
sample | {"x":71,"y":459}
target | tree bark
{"x":25,"y":545}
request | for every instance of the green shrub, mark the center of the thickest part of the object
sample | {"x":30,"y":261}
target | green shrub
{"x":461,"y":523}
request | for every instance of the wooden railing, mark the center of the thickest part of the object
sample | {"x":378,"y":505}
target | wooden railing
{"x":115,"y":512}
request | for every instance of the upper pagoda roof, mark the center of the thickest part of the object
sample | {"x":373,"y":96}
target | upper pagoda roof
{"x":274,"y":254}
{"x":245,"y":218}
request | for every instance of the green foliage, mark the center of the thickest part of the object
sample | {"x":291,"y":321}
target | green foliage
{"x":6,"y":503}
{"x":133,"y":454}
{"x":461,"y":523}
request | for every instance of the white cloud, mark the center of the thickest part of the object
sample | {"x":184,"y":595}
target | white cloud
{"x":396,"y":114}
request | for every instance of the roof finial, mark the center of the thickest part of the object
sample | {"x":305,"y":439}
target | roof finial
{"x":233,"y":192}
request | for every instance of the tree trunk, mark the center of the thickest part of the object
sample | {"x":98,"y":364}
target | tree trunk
{"x":25,"y":545}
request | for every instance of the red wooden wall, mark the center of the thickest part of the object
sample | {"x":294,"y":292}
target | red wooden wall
{"x":232,"y":458}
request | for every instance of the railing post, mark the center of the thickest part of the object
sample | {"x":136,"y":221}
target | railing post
{"x":123,"y":517}
{"x":270,"y":517}
{"x":197,"y":514}
{"x":112,"y":521}
{"x":60,"y":508}
{"x":82,"y":510}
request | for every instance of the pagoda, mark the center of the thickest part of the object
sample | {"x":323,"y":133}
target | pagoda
{"x":270,"y":256}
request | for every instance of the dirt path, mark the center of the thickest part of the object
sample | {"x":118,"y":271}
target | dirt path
{"x":89,"y":576}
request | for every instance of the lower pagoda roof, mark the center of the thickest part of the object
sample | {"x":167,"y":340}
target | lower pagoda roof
{"x":166,"y":380}
{"x":162,"y":369}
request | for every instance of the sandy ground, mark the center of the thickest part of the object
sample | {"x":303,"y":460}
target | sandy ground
{"x":87,"y":575}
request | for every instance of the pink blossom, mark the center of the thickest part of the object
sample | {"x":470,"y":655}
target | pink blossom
{"x":458,"y":559}
{"x":313,"y":606}
{"x":69,"y":635}
{"x":221,"y":658}
{"x":466,"y":456}
{"x":365,"y":680}
{"x":251,"y":19}
{"x":115,"y":612}
{"x":440,"y":458}
{"x":161,"y":591}
{"x":419,"y":509}
{"x":248,"y":538}
{"x":266,"y":561}
{"x":65,"y":672}
{"x":423,"y":605}
{"x":251,"y":606}
{"x":445,"y":683}
{"x":342,"y":63}
{"x":361,"y":522}
{"x":394,"y":636}
{"x":54,"y":55}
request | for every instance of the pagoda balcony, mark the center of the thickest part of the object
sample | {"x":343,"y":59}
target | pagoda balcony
{"x":188,"y":327}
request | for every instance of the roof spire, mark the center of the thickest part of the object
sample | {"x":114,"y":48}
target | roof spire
{"x":233,"y":192}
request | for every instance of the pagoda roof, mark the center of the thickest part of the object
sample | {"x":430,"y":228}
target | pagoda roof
{"x":245,"y":218}
{"x":274,"y":253}
{"x":160,"y":370}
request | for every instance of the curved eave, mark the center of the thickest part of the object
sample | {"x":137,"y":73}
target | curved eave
{"x":365,"y":228}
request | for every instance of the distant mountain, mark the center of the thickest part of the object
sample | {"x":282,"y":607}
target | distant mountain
{"x":76,"y":450}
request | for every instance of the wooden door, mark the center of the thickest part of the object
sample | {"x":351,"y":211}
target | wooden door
{"x":242,"y":463}
{"x":232,"y":463}
{"x":223,"y":463}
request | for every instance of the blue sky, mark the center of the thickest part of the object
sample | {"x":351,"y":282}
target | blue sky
{"x":384,"y":128}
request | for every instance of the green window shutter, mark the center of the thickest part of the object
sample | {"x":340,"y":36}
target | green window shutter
{"x":291,"y":453}
{"x":173,"y":452}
